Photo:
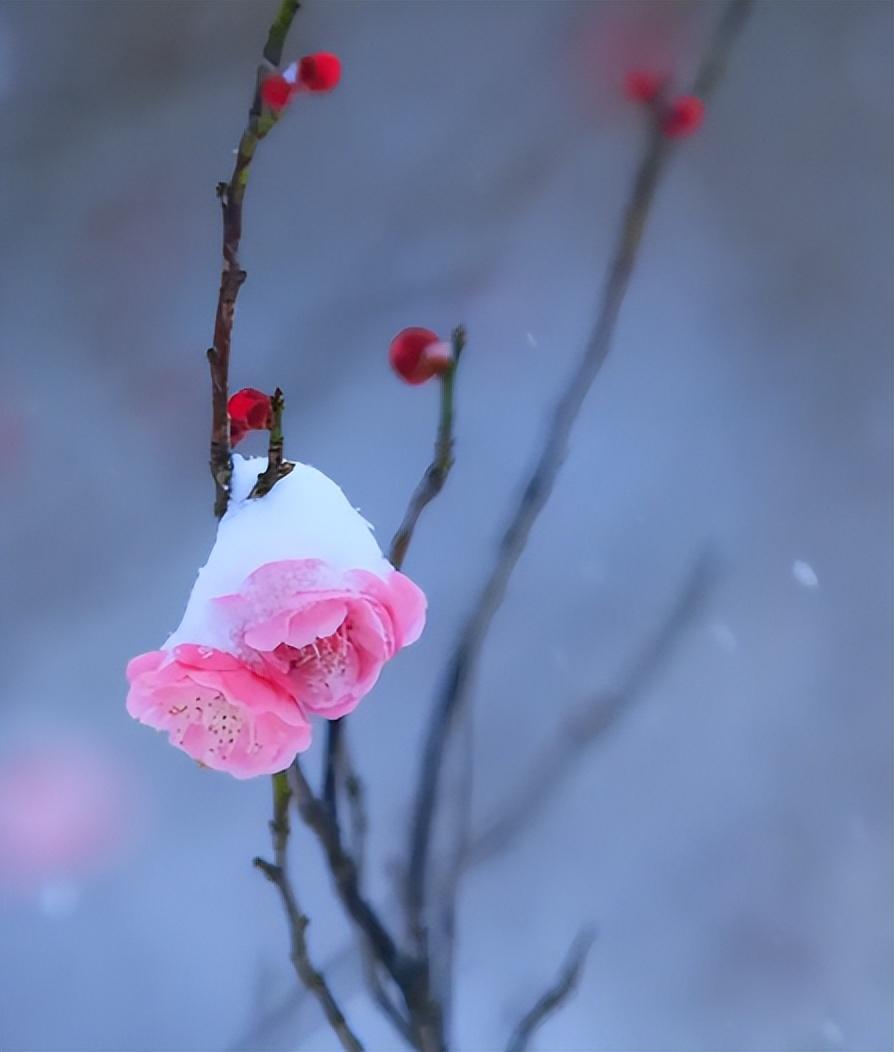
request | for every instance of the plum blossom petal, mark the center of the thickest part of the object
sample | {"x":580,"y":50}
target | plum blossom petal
{"x":296,"y":611}
{"x":325,"y":636}
{"x":227,"y":718}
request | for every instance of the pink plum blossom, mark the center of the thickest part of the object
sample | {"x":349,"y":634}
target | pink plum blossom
{"x":295,"y":612}
{"x":325,"y":634}
{"x":217,"y":710}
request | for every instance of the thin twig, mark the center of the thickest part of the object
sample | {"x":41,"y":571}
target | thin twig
{"x":231,"y":196}
{"x":344,"y":872}
{"x":338,"y":768}
{"x":556,"y":995}
{"x":456,"y":861}
{"x":277,"y":468}
{"x":572,"y":742}
{"x":277,"y":873}
{"x":462,"y":667}
{"x":429,"y":486}
{"x":436,"y":473}
{"x":358,"y":828}
{"x":409,"y":974}
{"x":381,"y":997}
{"x":591,"y":719}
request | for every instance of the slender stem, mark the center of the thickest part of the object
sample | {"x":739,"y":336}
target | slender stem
{"x":432,"y":482}
{"x":592,"y":718}
{"x":573,"y":739}
{"x":231,"y":196}
{"x":277,"y":873}
{"x":409,"y":974}
{"x":344,"y":872}
{"x":553,"y":998}
{"x":429,"y":486}
{"x":462,"y":667}
{"x":277,"y":468}
{"x":463,"y":663}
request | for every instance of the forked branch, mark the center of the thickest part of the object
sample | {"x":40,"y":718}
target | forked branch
{"x":457,"y":686}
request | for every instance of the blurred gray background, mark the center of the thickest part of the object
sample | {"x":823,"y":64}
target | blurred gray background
{"x":731,"y":837}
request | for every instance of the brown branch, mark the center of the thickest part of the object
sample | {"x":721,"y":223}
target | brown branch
{"x":574,"y":738}
{"x":556,"y":995}
{"x":231,"y":196}
{"x":278,"y":874}
{"x":457,"y":856}
{"x":338,"y":767}
{"x":277,"y":468}
{"x":409,"y":974}
{"x":594,"y":717}
{"x":429,"y":486}
{"x":462,"y":667}
{"x":358,"y":828}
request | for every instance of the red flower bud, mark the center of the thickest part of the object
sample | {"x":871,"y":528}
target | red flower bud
{"x":641,"y":85}
{"x":683,"y":117}
{"x":249,"y":410}
{"x":276,"y":91}
{"x":416,"y":355}
{"x":319,"y":72}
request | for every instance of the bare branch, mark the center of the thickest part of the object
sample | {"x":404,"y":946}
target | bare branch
{"x":231,"y":196}
{"x":409,"y":974}
{"x":277,"y":468}
{"x":358,"y":827}
{"x":319,"y":820}
{"x":435,"y":476}
{"x":593,"y":718}
{"x":727,"y":30}
{"x":279,"y":30}
{"x":462,"y":667}
{"x":556,"y":995}
{"x":429,"y":486}
{"x":456,"y":859}
{"x":596,"y":715}
{"x":277,"y":873}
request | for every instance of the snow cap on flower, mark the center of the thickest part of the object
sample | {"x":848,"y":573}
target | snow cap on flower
{"x":295,"y":612}
{"x":417,"y":354}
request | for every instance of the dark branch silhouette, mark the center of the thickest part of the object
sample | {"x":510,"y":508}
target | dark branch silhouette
{"x":553,"y":998}
{"x":458,"y":682}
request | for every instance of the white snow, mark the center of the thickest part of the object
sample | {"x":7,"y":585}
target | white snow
{"x":804,"y":574}
{"x":724,"y":637}
{"x":305,"y":516}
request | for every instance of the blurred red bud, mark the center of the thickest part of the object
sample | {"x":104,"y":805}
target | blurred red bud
{"x":416,"y":355}
{"x":276,"y":91}
{"x":319,"y":72}
{"x":641,"y":85}
{"x":683,"y":117}
{"x":249,"y":410}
